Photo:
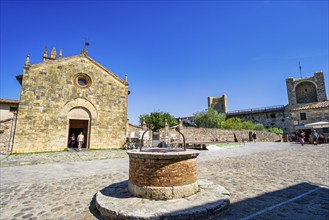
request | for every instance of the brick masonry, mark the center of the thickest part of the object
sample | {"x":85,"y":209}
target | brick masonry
{"x":162,"y":169}
{"x":162,"y":176}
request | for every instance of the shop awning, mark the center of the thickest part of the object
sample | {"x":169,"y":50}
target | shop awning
{"x":320,"y":124}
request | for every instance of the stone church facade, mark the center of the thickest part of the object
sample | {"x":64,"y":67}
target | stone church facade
{"x":61,"y":96}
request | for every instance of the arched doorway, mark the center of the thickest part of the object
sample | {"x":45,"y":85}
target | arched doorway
{"x":79,"y":121}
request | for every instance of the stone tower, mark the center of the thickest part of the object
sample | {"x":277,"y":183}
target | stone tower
{"x":306,"y":90}
{"x":218,"y":103}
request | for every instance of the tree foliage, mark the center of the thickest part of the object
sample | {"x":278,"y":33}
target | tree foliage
{"x":212,"y":119}
{"x":233,"y":123}
{"x":158,"y":119}
{"x":209,"y":119}
{"x":275,"y":130}
{"x":259,"y":127}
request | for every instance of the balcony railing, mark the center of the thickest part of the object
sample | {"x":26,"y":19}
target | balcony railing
{"x":256,"y":110}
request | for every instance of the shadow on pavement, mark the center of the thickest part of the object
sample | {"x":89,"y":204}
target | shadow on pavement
{"x":93,"y":210}
{"x":300,"y":201}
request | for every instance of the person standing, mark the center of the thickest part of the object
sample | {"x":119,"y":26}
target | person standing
{"x":315,"y":136}
{"x":302,"y":137}
{"x":254,"y":137}
{"x":72,"y":141}
{"x":81,"y":139}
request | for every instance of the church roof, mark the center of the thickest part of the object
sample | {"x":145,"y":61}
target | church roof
{"x":84,"y":54}
{"x":315,"y":105}
{"x":9,"y":101}
{"x":107,"y":70}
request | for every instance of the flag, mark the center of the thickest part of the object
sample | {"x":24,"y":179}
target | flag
{"x":300,"y":70}
{"x":87,"y":43}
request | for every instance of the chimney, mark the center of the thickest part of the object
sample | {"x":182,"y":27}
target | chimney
{"x":45,"y":54}
{"x":53,"y":54}
{"x":27,"y":62}
{"x":60,"y":53}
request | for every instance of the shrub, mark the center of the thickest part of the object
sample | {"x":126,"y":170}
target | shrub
{"x":275,"y":130}
{"x":248,"y":125}
{"x":259,"y":127}
{"x":233,"y":123}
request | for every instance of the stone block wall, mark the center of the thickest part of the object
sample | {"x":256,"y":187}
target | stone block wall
{"x":195,"y":135}
{"x":312,"y":115}
{"x":49,"y":92}
{"x":306,"y":90}
{"x":321,"y":86}
{"x":7,"y":128}
{"x":218,"y":103}
{"x":269,"y":119}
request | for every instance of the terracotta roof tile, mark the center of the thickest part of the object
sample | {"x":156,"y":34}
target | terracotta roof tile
{"x":323,"y":104}
{"x":9,"y":101}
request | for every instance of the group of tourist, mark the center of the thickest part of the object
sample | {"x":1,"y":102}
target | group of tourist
{"x":80,"y":139}
{"x":314,"y":136}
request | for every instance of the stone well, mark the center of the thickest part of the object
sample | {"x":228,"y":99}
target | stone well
{"x":162,"y":184}
{"x":162,"y":174}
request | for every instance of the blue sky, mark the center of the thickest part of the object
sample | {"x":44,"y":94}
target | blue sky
{"x":176,"y":53}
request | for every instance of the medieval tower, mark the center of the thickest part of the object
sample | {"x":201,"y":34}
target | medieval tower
{"x":306,"y":90}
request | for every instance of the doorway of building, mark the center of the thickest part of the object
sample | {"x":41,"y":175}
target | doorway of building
{"x":76,"y":127}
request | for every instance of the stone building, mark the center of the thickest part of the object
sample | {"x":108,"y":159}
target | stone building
{"x":273,"y":116}
{"x":61,"y":96}
{"x":307,"y":103}
{"x":8,"y":111}
{"x":218,"y":103}
{"x":306,"y":90}
{"x":8,"y":108}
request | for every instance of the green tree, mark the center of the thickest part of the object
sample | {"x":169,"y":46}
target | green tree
{"x":275,"y":130}
{"x":259,"y":127}
{"x":233,"y":123}
{"x":158,"y":119}
{"x":248,"y":125}
{"x":209,"y":119}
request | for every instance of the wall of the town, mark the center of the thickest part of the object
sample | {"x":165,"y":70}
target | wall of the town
{"x":270,"y":119}
{"x":203,"y":135}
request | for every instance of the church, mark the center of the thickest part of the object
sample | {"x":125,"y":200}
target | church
{"x":64,"y":96}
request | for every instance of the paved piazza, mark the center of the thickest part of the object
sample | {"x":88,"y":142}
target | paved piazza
{"x":266,"y":181}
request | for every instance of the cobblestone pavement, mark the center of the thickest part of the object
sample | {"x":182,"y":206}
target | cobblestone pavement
{"x":266,"y":181}
{"x":59,"y":157}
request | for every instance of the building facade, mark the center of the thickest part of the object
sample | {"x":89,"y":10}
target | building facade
{"x":307,"y":103}
{"x":8,"y":112}
{"x":218,"y":103}
{"x":64,"y":96}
